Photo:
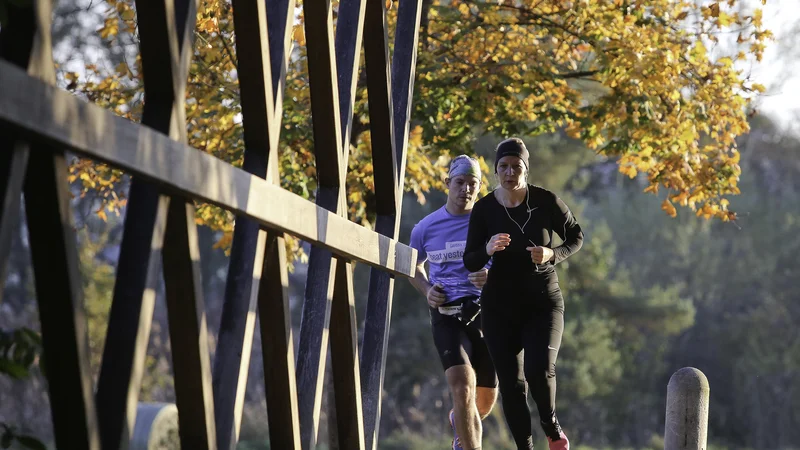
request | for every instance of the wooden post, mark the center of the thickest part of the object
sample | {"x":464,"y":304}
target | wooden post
{"x":686,"y":425}
{"x":156,"y":427}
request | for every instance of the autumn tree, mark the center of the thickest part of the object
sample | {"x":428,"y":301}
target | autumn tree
{"x":633,"y":79}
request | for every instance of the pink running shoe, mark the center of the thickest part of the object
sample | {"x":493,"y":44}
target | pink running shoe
{"x":456,"y":441}
{"x":556,"y":439}
{"x":560,"y":444}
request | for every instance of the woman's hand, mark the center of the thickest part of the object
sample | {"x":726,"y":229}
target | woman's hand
{"x":478,"y":279}
{"x":541,"y":255}
{"x":436,"y":295}
{"x":498,"y":243}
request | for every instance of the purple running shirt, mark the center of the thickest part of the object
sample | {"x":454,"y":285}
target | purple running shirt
{"x":440,"y":239}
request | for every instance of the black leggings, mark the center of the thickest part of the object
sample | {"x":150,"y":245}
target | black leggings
{"x":523,"y":332}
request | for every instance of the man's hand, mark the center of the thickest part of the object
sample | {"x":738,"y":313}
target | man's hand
{"x":541,"y":255}
{"x":478,"y":279}
{"x":436,"y":295}
{"x":497,"y":243}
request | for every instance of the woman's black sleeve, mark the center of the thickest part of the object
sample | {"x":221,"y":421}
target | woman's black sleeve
{"x":475,"y":257}
{"x":567,"y":228}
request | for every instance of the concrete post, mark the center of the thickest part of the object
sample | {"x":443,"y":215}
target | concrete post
{"x":686,"y":425}
{"x":156,"y":427}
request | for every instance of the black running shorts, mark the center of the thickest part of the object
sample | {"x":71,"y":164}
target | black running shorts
{"x":458,"y":344}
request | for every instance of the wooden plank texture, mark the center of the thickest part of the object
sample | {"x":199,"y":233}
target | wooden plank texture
{"x":188,"y":332}
{"x":26,"y":43}
{"x":12,"y":175}
{"x":344,"y":361}
{"x":50,"y":115}
{"x":388,"y":187}
{"x":277,"y":347}
{"x":162,"y":24}
{"x":333,"y":76}
{"x":260,"y":114}
{"x":58,"y":292}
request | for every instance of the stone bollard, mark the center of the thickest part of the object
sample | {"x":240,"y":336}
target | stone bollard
{"x":156,"y":427}
{"x":686,"y":426}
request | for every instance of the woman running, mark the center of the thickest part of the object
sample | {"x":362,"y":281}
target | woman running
{"x":522,"y":306}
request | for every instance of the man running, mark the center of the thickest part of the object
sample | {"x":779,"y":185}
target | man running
{"x":453,"y":295}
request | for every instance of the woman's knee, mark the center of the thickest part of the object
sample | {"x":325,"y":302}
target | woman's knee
{"x":513,"y":386}
{"x":540,"y":372}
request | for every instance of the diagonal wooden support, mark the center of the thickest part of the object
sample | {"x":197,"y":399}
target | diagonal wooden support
{"x":260,"y":64}
{"x":16,"y":46}
{"x":25,"y":41}
{"x":277,"y":347}
{"x":344,"y":360}
{"x":162,"y":24}
{"x":188,"y":329}
{"x":331,"y":108}
{"x":344,"y":330}
{"x":390,"y":107}
{"x":12,"y":175}
{"x":58,"y":292}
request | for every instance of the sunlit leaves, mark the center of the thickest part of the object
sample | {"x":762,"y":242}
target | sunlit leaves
{"x":642,"y":81}
{"x":634,"y":80}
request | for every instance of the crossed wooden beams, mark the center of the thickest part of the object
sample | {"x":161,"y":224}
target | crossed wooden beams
{"x":39,"y":122}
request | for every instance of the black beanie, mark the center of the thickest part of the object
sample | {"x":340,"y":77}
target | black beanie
{"x":512,"y":147}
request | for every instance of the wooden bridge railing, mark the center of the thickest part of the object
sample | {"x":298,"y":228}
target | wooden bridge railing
{"x":39,"y":122}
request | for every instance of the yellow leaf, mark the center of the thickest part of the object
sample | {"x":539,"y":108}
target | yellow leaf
{"x":669,"y":208}
{"x":653,"y":188}
{"x":128,"y":14}
{"x":725,"y":19}
{"x":122,"y":69}
{"x":629,"y":170}
{"x":698,"y":52}
{"x":687,"y":135}
{"x":299,"y":36}
{"x":110,"y":28}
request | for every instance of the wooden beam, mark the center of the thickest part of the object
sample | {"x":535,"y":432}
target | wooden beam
{"x":131,"y":314}
{"x":323,"y":83}
{"x":58,"y":292}
{"x":162,"y":24}
{"x":188,"y":333}
{"x":404,"y":65}
{"x":344,"y":361}
{"x":349,"y":35}
{"x":16,"y":47}
{"x":50,"y":115}
{"x":13,"y":165}
{"x":277,"y":346}
{"x":331,"y":106}
{"x":261,"y":122}
{"x":277,"y":343}
{"x":381,"y":284}
{"x":314,"y":341}
{"x":25,"y":42}
{"x":376,"y":54}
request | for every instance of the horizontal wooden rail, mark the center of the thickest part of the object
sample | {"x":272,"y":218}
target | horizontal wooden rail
{"x":46,"y":113}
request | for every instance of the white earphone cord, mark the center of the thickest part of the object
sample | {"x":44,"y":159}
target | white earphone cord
{"x":528,"y":206}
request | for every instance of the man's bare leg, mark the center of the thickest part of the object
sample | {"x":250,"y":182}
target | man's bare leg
{"x":461,"y":380}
